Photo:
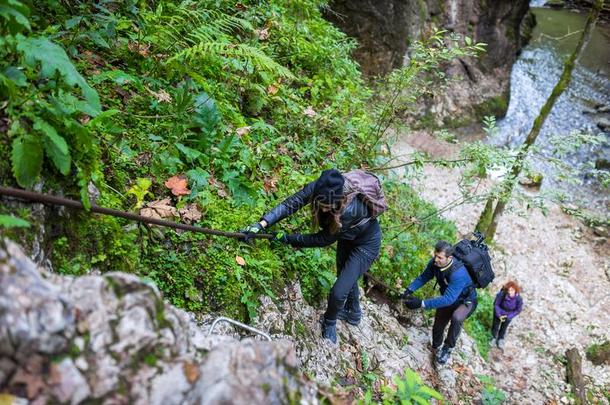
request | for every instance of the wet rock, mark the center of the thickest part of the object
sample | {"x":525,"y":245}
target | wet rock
{"x":603,"y":123}
{"x":602,"y":231}
{"x":602,"y":164}
{"x":479,"y":86}
{"x":533,"y":180}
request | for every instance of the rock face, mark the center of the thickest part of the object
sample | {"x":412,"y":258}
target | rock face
{"x":384,"y":29}
{"x":113,"y":340}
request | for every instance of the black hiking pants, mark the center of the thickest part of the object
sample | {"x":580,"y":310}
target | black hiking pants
{"x":456,"y":314}
{"x":354,"y":258}
{"x":499,"y":327}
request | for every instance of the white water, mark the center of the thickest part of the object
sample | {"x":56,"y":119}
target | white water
{"x":532,"y":79}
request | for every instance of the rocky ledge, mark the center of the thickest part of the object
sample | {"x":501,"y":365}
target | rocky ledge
{"x":111,"y":339}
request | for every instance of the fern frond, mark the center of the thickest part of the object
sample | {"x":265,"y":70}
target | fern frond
{"x":254,"y":56}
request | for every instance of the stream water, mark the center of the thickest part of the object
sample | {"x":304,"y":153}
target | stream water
{"x":532,"y":79}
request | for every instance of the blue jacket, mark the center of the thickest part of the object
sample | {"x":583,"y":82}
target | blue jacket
{"x":455,"y":284}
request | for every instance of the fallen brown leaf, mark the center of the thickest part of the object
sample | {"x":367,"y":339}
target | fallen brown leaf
{"x":240,"y":260}
{"x":262,"y":34}
{"x":270,"y":184}
{"x":33,"y":383}
{"x":272,"y":89}
{"x":178,"y":185}
{"x":159,"y":209}
{"x":190,"y":213}
{"x":191,"y":371}
{"x":162,"y":96}
{"x":243,"y":131}
{"x":221,"y":189}
{"x":142,"y":49}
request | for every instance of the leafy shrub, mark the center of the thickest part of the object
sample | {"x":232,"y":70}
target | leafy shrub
{"x":249,"y":103}
{"x":406,"y":389}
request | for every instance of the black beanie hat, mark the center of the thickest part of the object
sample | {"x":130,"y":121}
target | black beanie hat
{"x":329,"y":187}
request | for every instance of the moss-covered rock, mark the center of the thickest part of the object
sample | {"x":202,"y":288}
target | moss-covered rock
{"x":599,"y":354}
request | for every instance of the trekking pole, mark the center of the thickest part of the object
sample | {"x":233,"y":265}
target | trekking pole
{"x":65,"y":202}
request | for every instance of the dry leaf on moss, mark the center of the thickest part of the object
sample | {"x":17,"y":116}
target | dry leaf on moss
{"x":263,"y":34}
{"x":272,"y":89}
{"x":159,"y":209}
{"x":178,"y":185}
{"x":240,"y":260}
{"x":162,"y":96}
{"x":243,"y":131}
{"x":190,"y":213}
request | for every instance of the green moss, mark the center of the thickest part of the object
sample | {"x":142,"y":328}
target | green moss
{"x":162,"y":322}
{"x":150,"y":359}
{"x":300,"y":329}
{"x":496,"y":106}
{"x":74,"y":351}
{"x":486,"y":216}
{"x":599,"y":354}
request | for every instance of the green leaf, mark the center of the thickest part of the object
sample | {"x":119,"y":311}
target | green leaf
{"x":53,"y":58}
{"x":55,"y":146}
{"x":430,"y":392}
{"x":27,"y":159}
{"x":190,"y":153}
{"x":16,"y":15}
{"x":119,"y":77}
{"x":98,"y":40}
{"x":9,"y":221}
{"x":16,"y":76}
{"x":198,"y":179}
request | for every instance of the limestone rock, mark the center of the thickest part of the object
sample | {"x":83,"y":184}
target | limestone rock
{"x":117,"y":342}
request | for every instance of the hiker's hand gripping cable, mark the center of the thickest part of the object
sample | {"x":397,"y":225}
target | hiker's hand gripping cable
{"x":253,"y":229}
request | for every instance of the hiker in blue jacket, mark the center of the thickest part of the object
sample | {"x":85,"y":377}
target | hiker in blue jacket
{"x":342,"y":217}
{"x":457,"y":301}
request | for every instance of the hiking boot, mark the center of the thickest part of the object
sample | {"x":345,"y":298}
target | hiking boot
{"x":329,"y":330}
{"x":501,"y":343}
{"x":353,"y":318}
{"x":443,"y":356}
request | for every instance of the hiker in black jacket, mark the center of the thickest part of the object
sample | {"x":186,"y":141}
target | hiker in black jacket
{"x":346,"y":220}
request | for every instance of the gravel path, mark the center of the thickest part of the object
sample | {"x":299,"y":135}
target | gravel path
{"x":565,"y":273}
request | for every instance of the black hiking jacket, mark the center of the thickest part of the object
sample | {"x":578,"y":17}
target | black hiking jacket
{"x":355,"y":220}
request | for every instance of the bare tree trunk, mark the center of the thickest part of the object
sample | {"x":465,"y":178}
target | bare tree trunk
{"x":574,"y":375}
{"x":562,"y":84}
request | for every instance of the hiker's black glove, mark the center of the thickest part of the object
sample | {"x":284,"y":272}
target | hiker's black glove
{"x":251,"y":230}
{"x":413,"y":303}
{"x":406,"y":294}
{"x":279,"y":238}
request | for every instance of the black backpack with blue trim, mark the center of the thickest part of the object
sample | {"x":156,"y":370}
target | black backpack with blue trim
{"x":475,"y":256}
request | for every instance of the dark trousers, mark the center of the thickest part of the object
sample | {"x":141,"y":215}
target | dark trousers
{"x":456,"y":314}
{"x":354,"y":258}
{"x":499,"y":327}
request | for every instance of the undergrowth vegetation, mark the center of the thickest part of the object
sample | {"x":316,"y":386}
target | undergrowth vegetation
{"x":240,"y":104}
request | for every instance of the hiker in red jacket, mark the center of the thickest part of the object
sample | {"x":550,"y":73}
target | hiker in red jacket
{"x":507,"y":305}
{"x":343,"y":216}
